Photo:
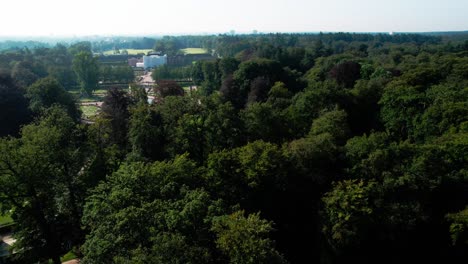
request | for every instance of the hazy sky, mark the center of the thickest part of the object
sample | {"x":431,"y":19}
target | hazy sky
{"x":89,"y":17}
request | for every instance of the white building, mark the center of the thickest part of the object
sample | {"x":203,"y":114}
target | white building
{"x":152,"y":61}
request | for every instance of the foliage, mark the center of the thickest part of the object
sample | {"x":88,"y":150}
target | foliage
{"x":347,"y":208}
{"x":169,"y":88}
{"x":41,"y":184}
{"x":154,"y":212}
{"x":46,"y":92}
{"x":87,"y":71}
{"x":115,"y":109}
{"x":353,"y":145}
{"x":245,"y":239}
{"x":14,"y":108}
{"x":459,"y":226}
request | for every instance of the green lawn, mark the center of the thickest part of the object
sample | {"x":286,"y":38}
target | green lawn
{"x":187,"y":89}
{"x":77,"y":92}
{"x":89,"y":110}
{"x":93,"y":98}
{"x":69,"y":256}
{"x":130,"y":51}
{"x":194,"y":51}
{"x":5,"y":220}
{"x":100,"y":92}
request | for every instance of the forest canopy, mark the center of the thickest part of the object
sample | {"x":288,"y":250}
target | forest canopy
{"x":291,"y":148}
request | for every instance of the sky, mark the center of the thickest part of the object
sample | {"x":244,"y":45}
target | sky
{"x":147,"y":17}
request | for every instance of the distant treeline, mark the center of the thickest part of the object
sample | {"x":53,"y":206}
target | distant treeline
{"x":101,"y":44}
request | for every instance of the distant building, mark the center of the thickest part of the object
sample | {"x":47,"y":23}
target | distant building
{"x":153,"y":61}
{"x":133,"y":62}
{"x":159,"y":53}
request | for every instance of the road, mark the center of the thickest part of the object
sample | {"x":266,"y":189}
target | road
{"x":146,"y":79}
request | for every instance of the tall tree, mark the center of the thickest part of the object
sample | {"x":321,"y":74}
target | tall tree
{"x":14,"y":110}
{"x":245,"y":239}
{"x":39,"y":175}
{"x":115,"y":109}
{"x":86,"y":68}
{"x":169,"y":88}
{"x":46,"y":92}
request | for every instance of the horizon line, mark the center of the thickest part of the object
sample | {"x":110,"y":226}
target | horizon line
{"x":201,"y":33}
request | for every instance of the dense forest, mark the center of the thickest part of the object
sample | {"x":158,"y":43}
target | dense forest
{"x":294,"y":148}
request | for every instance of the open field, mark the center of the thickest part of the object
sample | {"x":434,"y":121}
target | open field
{"x":194,"y":51}
{"x":89,"y":110}
{"x":130,"y":51}
{"x":94,"y":98}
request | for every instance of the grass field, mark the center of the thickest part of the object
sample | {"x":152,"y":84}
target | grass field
{"x":89,"y":110}
{"x":5,"y":220}
{"x":130,"y":51}
{"x":94,"y":98}
{"x":194,"y":51}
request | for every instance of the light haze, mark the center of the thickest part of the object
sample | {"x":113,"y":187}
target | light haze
{"x":121,"y":17}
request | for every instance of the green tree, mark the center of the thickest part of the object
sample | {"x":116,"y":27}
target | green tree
{"x":224,"y":127}
{"x":46,"y":92}
{"x":153,"y":212}
{"x":146,"y":134}
{"x":115,"y":109}
{"x":14,"y":108}
{"x":40,"y":176}
{"x":24,"y":75}
{"x":264,"y":122}
{"x":245,"y":240}
{"x":347,"y":212}
{"x":87,"y":71}
{"x":253,"y":175}
{"x":333,"y":123}
{"x":459,"y":227}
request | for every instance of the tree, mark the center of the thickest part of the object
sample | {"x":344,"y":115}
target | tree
{"x":264,"y":122}
{"x":347,"y":213}
{"x":459,"y":227}
{"x":253,"y":176}
{"x":279,"y":96}
{"x":259,"y":89}
{"x":228,"y":66}
{"x":223,"y":127}
{"x":23,"y":74}
{"x":46,"y":92}
{"x":333,"y":123}
{"x":138,"y":94}
{"x":245,"y":239}
{"x":251,"y":70}
{"x":42,"y":187}
{"x":402,"y":107}
{"x":146,"y":134}
{"x":87,"y":71}
{"x":115,"y":109}
{"x":211,"y":77}
{"x":230,"y":92}
{"x":189,"y":136}
{"x":83,"y":46}
{"x":169,"y":88}
{"x":346,"y":73}
{"x":149,"y":213}
{"x":14,"y":108}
